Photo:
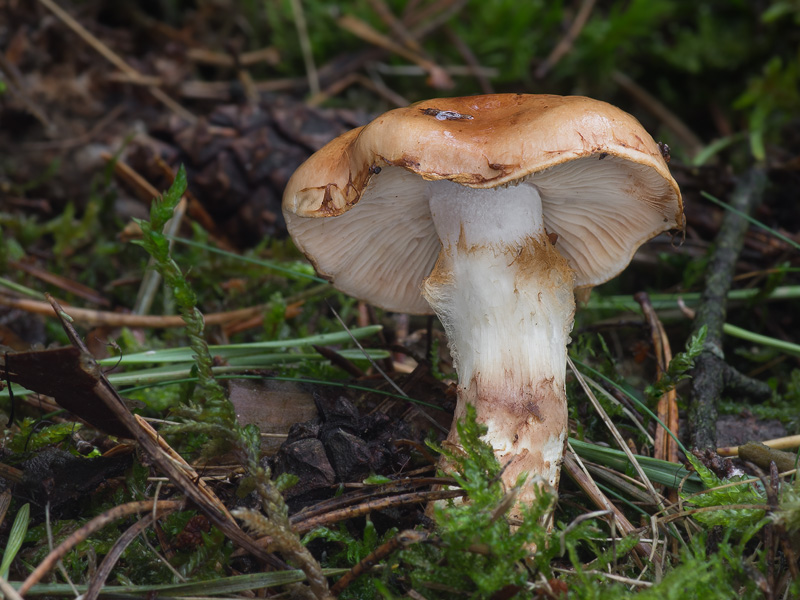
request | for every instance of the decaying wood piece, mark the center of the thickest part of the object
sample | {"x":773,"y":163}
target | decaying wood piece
{"x":709,"y":378}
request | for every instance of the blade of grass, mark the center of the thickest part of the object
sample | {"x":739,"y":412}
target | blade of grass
{"x":660,"y":471}
{"x":615,"y":433}
{"x":633,"y":399}
{"x":624,"y":409}
{"x":671,"y":301}
{"x":185,"y":354}
{"x":183,"y":370}
{"x":227,"y":585}
{"x":15,"y":538}
{"x":255,"y":261}
{"x":750,"y":219}
{"x":19,"y":391}
{"x":388,"y":379}
{"x":757,"y":338}
{"x":350,"y":354}
{"x":710,"y":150}
{"x":20,"y":289}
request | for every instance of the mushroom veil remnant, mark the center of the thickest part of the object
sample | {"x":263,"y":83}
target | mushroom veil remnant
{"x":489,"y":211}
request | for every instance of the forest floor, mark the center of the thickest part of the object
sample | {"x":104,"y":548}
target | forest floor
{"x":101,"y":103}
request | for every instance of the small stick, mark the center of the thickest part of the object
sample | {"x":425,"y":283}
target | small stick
{"x":64,"y":283}
{"x":369,"y":506}
{"x":220,"y":91}
{"x":352,"y":78}
{"x":96,"y":318}
{"x":577,"y":471}
{"x":342,"y":66}
{"x":14,"y":85}
{"x":79,"y":140}
{"x":367,"y":492}
{"x":439,"y":77}
{"x":396,"y":25}
{"x":269,"y":55}
{"x":104,"y":570}
{"x":8,"y":590}
{"x":655,"y":107}
{"x":401,"y":540}
{"x":783,"y":443}
{"x":469,"y":57}
{"x":615,"y":434}
{"x":439,"y":12}
{"x":340,"y":361}
{"x":381,"y":89}
{"x":146,"y":192}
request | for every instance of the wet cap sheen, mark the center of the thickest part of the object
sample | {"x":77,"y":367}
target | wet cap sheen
{"x":359,"y":207}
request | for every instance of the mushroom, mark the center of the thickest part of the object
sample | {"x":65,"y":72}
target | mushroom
{"x":489,"y":211}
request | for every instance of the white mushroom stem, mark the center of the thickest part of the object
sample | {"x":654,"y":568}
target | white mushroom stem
{"x":505,"y":297}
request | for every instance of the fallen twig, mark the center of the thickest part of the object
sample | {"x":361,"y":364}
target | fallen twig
{"x":334,"y":516}
{"x":8,"y":591}
{"x":784,"y":443}
{"x":95,"y":318}
{"x":708,"y":381}
{"x":575,"y":469}
{"x":99,"y":392}
{"x":396,"y":25}
{"x":655,"y":107}
{"x":475,"y":68}
{"x":439,"y":77}
{"x":615,"y":433}
{"x":64,"y":283}
{"x":401,"y":540}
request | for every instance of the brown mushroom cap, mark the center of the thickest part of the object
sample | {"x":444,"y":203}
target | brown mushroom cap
{"x":358,"y":208}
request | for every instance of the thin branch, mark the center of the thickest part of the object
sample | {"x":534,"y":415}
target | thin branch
{"x":657,"y":108}
{"x":708,"y":382}
{"x":565,"y":45}
{"x":95,"y":318}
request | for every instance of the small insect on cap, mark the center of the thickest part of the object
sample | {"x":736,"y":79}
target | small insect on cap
{"x":359,"y":208}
